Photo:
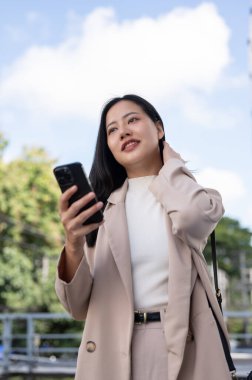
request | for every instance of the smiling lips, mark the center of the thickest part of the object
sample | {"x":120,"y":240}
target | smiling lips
{"x":129,"y":145}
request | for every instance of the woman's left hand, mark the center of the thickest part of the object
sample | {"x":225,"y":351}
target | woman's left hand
{"x":168,"y":153}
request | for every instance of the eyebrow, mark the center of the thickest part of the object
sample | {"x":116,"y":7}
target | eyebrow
{"x":124,"y":117}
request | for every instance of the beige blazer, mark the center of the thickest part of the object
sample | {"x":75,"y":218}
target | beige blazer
{"x":101,"y":291}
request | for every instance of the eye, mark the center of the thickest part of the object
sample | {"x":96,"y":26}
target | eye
{"x":111,"y":130}
{"x":133,"y":119}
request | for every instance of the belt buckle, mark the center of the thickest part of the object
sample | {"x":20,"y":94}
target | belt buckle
{"x":144,"y":317}
{"x":233,"y":374}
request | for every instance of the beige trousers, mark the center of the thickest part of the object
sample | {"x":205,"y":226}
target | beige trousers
{"x":148,"y":351}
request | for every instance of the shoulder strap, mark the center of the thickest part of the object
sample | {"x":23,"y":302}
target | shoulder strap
{"x":219,"y":299}
{"x":215,"y":270}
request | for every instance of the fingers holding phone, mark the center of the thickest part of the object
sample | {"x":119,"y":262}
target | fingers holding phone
{"x":80,"y":211}
{"x":86,"y":215}
{"x":77,"y":207}
{"x":75,"y":217}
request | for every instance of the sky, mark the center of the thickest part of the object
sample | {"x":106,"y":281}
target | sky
{"x":61,"y":60}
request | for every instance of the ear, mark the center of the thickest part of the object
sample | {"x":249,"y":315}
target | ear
{"x":159,"y":129}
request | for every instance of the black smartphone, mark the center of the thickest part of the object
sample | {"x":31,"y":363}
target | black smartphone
{"x":73,"y":174}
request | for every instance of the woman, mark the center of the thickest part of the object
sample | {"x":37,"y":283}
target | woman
{"x":141,"y":284}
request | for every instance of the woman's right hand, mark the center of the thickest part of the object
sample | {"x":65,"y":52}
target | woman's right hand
{"x":168,"y":153}
{"x":72,"y":221}
{"x":75,"y":231}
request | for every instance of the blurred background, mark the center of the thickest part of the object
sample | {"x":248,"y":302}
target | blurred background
{"x":60,"y":62}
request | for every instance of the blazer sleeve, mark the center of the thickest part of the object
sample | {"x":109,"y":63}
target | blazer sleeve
{"x":194,"y":210}
{"x":75,"y":295}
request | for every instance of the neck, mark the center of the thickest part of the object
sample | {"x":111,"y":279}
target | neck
{"x":146,"y":170}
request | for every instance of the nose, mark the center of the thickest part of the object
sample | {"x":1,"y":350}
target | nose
{"x":124,"y":132}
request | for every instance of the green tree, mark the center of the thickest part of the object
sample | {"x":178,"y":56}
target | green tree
{"x":30,"y":232}
{"x":234,"y":255}
{"x":231,"y":240}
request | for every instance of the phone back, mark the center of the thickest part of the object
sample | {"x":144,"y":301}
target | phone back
{"x":73,"y":174}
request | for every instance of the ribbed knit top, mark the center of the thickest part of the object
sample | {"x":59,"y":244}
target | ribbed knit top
{"x":148,"y":244}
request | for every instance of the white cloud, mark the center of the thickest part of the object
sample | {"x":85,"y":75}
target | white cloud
{"x":198,"y":110}
{"x":227,"y":182}
{"x":157,"y":57}
{"x":238,"y":81}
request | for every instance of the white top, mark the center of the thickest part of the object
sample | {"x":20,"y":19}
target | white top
{"x":148,"y":239}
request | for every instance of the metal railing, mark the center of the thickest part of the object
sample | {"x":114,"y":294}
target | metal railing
{"x":27,"y":352}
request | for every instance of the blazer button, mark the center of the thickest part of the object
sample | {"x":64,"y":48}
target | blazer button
{"x":90,"y":346}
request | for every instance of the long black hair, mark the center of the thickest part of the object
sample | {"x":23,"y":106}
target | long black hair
{"x":106,"y":173}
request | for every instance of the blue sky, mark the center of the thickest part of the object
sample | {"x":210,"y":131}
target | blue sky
{"x":61,"y":60}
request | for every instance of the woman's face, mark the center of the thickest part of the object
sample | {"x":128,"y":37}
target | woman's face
{"x":132,"y":138}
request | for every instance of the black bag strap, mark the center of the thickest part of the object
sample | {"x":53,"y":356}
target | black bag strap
{"x":225,"y":346}
{"x":215,"y":270}
{"x":224,"y":342}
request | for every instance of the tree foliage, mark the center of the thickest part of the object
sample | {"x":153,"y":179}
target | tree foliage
{"x":30,"y":232}
{"x":231,"y":241}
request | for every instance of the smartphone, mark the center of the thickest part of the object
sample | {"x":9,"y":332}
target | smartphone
{"x":73,"y":174}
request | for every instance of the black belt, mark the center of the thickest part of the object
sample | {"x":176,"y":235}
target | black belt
{"x":141,"y":318}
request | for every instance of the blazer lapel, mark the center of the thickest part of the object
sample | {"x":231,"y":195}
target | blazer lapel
{"x":117,"y":231}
